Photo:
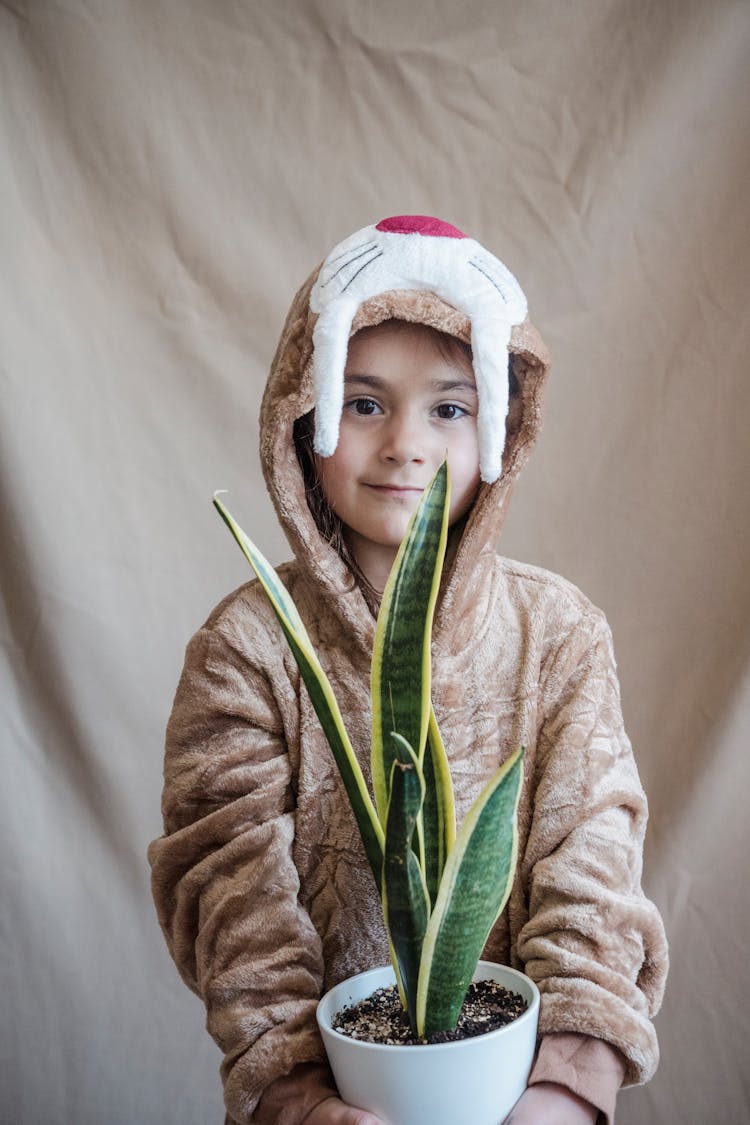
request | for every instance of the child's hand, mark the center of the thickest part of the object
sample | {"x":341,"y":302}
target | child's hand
{"x":550,"y":1104}
{"x":335,"y":1112}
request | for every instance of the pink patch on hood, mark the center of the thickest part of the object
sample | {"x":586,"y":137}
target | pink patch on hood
{"x":419,"y":224}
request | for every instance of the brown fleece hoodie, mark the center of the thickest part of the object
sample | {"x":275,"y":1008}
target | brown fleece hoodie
{"x":260,"y":881}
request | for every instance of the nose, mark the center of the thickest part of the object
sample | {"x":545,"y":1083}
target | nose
{"x":403,"y":440}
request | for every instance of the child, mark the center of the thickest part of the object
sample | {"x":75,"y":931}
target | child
{"x":395,"y":352}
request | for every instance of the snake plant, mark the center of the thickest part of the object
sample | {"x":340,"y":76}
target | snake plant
{"x":441,"y":890}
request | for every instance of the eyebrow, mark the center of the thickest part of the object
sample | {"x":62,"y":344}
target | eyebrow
{"x":375,"y":382}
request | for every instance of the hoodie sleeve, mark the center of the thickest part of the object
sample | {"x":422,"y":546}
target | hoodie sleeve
{"x":224,"y":880}
{"x":593,"y":943}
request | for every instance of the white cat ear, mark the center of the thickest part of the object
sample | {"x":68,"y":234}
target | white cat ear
{"x":489,"y":344}
{"x":330,"y":347}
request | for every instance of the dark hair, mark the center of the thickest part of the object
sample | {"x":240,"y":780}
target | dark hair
{"x":328,"y":523}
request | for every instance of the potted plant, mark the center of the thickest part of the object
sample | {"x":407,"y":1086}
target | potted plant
{"x":441,"y":890}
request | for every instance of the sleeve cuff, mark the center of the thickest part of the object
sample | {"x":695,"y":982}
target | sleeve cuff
{"x":589,"y":1067}
{"x":289,"y":1099}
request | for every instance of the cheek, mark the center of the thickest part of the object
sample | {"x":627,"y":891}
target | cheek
{"x":465,"y":480}
{"x":463,"y":498}
{"x":327,"y":477}
{"x":334,"y":472}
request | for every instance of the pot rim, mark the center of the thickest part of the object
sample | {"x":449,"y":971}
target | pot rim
{"x":466,"y":1044}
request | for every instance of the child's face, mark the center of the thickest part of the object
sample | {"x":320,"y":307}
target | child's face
{"x":407,"y":403}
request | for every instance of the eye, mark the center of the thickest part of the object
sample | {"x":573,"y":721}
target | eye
{"x":364,"y":406}
{"x":450,"y":411}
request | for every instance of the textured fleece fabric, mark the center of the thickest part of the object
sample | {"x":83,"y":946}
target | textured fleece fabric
{"x":260,"y":880}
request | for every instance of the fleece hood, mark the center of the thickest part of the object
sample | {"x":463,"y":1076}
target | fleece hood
{"x":298,"y":382}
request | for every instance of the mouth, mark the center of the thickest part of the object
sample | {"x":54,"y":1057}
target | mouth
{"x":405,"y":490}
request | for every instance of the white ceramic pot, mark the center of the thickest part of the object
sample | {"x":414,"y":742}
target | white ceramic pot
{"x":474,"y":1081}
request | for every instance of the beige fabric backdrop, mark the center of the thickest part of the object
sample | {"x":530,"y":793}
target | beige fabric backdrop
{"x":170,"y":172}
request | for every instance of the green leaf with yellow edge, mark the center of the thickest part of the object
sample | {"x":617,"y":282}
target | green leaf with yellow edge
{"x":320,"y":692}
{"x":406,"y":904}
{"x":438,"y":821}
{"x":401,"y":651}
{"x":474,"y":889}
